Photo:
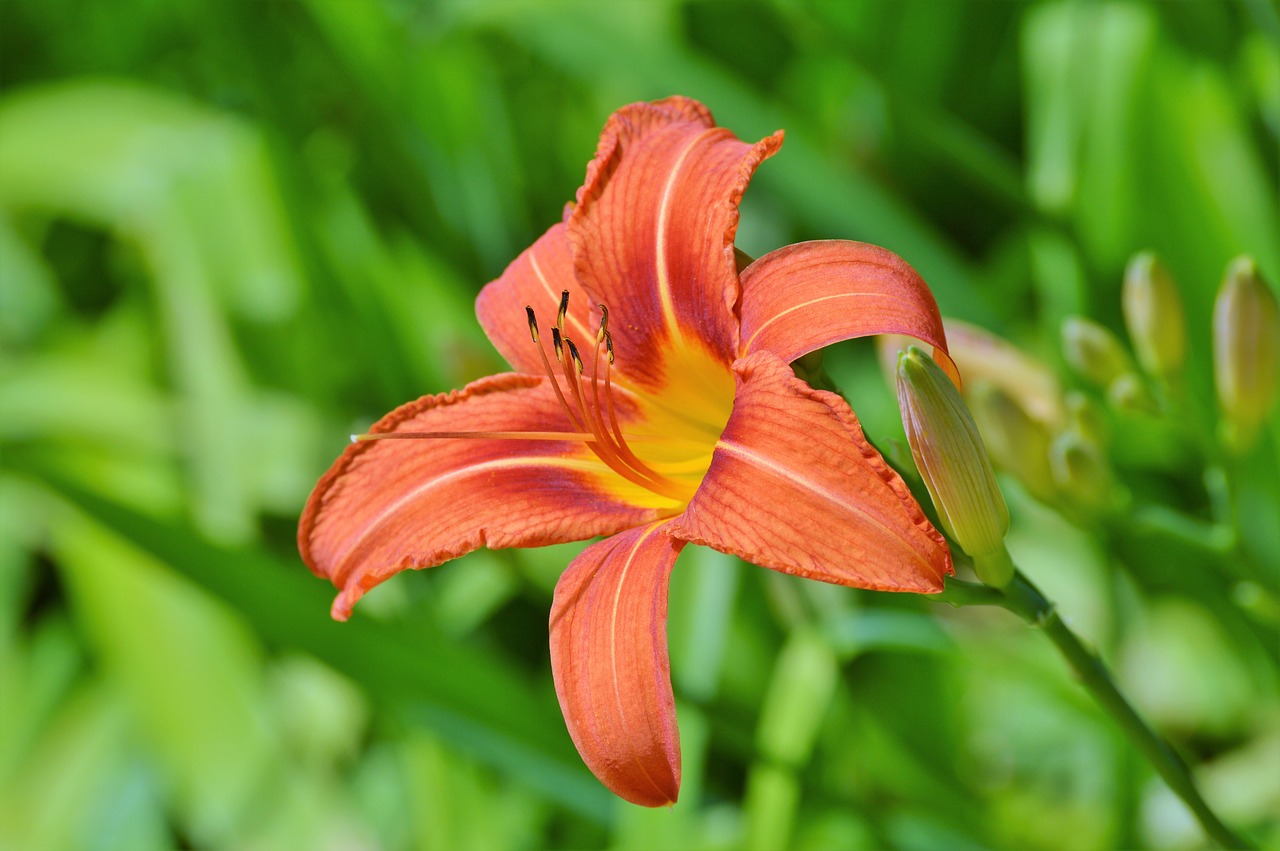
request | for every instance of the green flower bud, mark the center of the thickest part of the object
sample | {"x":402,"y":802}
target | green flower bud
{"x":809,"y":368}
{"x":984,"y":358}
{"x":1129,"y":393}
{"x":1154,"y":316}
{"x":1094,"y":352}
{"x":953,"y":462}
{"x":1085,"y":418}
{"x":1246,"y":335}
{"x":1080,"y":471}
{"x":1018,"y":443}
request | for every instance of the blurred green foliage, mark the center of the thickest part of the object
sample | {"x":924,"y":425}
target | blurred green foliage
{"x":233,"y":232}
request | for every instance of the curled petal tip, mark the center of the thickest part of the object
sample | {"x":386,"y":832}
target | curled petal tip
{"x":802,"y":297}
{"x":341,"y":608}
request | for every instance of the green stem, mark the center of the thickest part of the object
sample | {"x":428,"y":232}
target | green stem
{"x":1025,"y":600}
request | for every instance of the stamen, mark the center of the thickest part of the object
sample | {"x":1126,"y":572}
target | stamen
{"x":615,"y":441}
{"x":533,"y":323}
{"x":591,"y":420}
{"x":604,"y":324}
{"x":618,"y":458}
{"x":573,"y":379}
{"x":481,"y":435}
{"x":573,"y":353}
{"x":582,"y":436}
{"x":564,"y":308}
{"x":630,"y":456}
{"x":574,"y":420}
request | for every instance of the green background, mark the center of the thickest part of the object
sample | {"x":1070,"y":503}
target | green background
{"x":234,"y":231}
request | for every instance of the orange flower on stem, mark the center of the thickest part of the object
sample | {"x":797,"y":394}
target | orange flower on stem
{"x":659,"y":410}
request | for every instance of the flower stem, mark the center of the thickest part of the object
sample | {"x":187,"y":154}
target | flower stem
{"x":1025,"y":600}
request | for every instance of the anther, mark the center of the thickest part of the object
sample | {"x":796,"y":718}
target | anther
{"x":555,"y":341}
{"x":608,"y":346}
{"x":533,"y":323}
{"x":573,"y":353}
{"x":604,"y":323}
{"x":564,"y":308}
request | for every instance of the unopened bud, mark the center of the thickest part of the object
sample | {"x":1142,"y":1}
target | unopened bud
{"x":1094,"y":352}
{"x":1080,"y":471}
{"x":1154,"y":316}
{"x":953,"y":462}
{"x":1129,"y":393}
{"x":1246,"y":336}
{"x":982,"y":357}
{"x":809,"y":368}
{"x":1085,"y":419}
{"x":1017,"y":442}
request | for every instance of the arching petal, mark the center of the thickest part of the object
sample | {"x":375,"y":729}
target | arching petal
{"x":794,"y":486}
{"x":609,"y":660}
{"x":389,"y":505}
{"x":653,"y":230}
{"x":536,"y":279}
{"x":812,"y":294}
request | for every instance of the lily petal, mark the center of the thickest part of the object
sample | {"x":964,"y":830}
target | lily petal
{"x":794,"y":486}
{"x":610,"y":664}
{"x":536,"y":278}
{"x":390,"y":505}
{"x":812,"y":294}
{"x":653,"y":230}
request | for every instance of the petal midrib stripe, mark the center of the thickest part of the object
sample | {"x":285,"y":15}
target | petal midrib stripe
{"x":826,"y":493}
{"x":660,"y":248}
{"x":613,"y":641}
{"x":376,"y":522}
{"x":746,"y":347}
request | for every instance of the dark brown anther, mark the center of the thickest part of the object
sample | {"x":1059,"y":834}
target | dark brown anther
{"x":555,"y":341}
{"x":608,"y":345}
{"x":604,"y":323}
{"x":533,"y":323}
{"x":564,"y":308}
{"x":573,"y":353}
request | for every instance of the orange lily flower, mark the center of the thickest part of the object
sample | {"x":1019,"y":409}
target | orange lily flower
{"x":659,"y":411}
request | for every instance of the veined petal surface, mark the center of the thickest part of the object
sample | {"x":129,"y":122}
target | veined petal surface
{"x":390,"y":505}
{"x":653,"y":230}
{"x":610,"y":664}
{"x":794,"y":486}
{"x":802,"y":297}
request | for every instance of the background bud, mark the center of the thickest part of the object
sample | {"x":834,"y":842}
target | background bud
{"x":952,"y":460}
{"x":1018,"y":443}
{"x":1094,"y":352}
{"x":984,"y":358}
{"x":1154,"y":316}
{"x":1085,"y":418}
{"x":1246,"y":334}
{"x":1080,"y":471}
{"x":1129,"y":393}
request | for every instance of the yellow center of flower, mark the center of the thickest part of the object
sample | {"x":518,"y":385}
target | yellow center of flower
{"x":666,"y":450}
